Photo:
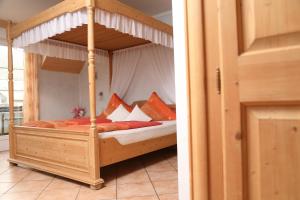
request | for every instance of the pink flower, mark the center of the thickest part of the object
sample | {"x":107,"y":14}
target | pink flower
{"x":78,"y":112}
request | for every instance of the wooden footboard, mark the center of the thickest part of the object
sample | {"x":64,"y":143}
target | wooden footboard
{"x":70,"y":154}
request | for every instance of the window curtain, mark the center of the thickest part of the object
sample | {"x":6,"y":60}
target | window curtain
{"x":139,"y":71}
{"x":31,"y":92}
{"x":124,"y":67}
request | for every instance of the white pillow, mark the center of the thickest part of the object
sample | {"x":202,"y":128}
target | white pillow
{"x":119,"y":114}
{"x":138,"y":115}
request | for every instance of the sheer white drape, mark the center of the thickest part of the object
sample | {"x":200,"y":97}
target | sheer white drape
{"x":124,"y":67}
{"x":64,"y":50}
{"x":51,"y":28}
{"x":163,"y":68}
{"x":153,"y":67}
{"x":3,"y":40}
{"x":78,"y":18}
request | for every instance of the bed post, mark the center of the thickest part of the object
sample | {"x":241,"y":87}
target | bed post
{"x":97,"y":182}
{"x":11,"y":92}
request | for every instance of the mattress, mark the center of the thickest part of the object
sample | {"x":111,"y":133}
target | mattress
{"x":131,"y":136}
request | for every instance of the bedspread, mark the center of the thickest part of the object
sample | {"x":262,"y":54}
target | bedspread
{"x":64,"y":123}
{"x":83,"y":125}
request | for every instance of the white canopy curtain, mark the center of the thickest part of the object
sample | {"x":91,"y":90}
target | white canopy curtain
{"x":51,"y":28}
{"x":151,"y":69}
{"x":124,"y":68}
{"x":75,"y":19}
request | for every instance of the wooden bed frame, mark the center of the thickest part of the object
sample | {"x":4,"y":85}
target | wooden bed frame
{"x":71,"y":154}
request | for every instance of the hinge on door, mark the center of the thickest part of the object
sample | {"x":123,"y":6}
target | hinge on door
{"x":218,"y":73}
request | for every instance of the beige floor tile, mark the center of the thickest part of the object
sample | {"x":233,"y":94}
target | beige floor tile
{"x":163,"y":165}
{"x":38,"y":176}
{"x":4,"y":165}
{"x":166,"y":187}
{"x":135,"y":190}
{"x":4,"y":187}
{"x":3,"y":169}
{"x":163,"y":175}
{"x":138,"y":176}
{"x":13,"y":175}
{"x":4,"y":155}
{"x":65,"y":194}
{"x":106,"y":193}
{"x":173,"y":162}
{"x":61,"y":183}
{"x":20,"y":196}
{"x":168,"y":197}
{"x":153,"y":197}
{"x":29,"y":186}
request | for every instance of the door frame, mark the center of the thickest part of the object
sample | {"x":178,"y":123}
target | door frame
{"x":191,"y":98}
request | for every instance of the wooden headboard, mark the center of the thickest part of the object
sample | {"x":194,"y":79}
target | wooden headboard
{"x":142,"y":102}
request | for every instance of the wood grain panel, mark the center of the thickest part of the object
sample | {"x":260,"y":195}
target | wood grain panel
{"x":61,"y":152}
{"x":255,"y":81}
{"x":260,"y":67}
{"x":269,"y":23}
{"x":62,"y":65}
{"x":273,"y":140}
{"x":106,"y":39}
{"x":71,"y":153}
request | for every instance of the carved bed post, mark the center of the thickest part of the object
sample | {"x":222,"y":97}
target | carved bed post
{"x":11,"y":92}
{"x":93,"y":136}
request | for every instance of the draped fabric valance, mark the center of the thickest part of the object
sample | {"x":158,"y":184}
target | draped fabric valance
{"x":54,"y":48}
{"x":51,"y":28}
{"x":3,"y":40}
{"x":132,"y":27}
{"x":78,"y":18}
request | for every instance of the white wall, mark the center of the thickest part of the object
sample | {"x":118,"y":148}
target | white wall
{"x":102,"y":85}
{"x":61,"y":92}
{"x":58,"y":94}
{"x":165,"y":17}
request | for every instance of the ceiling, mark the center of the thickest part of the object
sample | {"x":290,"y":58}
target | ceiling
{"x":19,"y":10}
{"x":150,"y":7}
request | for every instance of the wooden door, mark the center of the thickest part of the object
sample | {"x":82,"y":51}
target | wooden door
{"x":260,"y":55}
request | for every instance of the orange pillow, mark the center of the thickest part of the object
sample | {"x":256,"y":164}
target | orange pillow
{"x":157,"y":109}
{"x":113,"y":103}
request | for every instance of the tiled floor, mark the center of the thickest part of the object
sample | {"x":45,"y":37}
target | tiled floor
{"x":149,"y":177}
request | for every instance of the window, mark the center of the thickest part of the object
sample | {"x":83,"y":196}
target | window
{"x":18,"y":61}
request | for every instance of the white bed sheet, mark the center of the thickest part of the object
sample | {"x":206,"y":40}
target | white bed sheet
{"x":131,"y":136}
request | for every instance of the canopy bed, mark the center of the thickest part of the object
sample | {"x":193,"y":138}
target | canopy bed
{"x":100,"y":25}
